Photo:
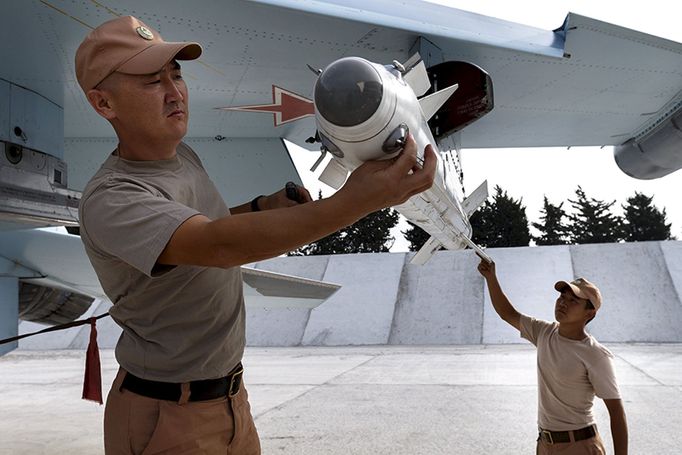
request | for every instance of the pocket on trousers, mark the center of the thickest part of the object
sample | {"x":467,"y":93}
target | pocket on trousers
{"x":143,"y":420}
{"x":592,"y":446}
{"x":245,"y":439}
{"x":192,"y":428}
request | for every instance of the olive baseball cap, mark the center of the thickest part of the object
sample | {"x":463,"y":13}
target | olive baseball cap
{"x":582,"y":289}
{"x":126,"y":45}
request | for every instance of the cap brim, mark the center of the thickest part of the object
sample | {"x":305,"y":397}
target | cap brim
{"x":155,"y":56}
{"x":561,"y":285}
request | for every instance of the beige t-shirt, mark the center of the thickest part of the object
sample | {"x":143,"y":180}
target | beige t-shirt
{"x":179,"y":323}
{"x":570,"y":374}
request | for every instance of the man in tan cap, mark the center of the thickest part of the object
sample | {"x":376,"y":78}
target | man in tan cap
{"x":167,"y":250}
{"x":572,"y":368}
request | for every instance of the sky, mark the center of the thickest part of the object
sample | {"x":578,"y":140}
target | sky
{"x":529,"y":174}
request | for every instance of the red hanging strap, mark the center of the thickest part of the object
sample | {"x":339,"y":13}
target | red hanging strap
{"x":92,"y":382}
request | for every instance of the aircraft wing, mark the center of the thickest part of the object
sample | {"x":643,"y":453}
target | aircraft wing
{"x":53,"y":259}
{"x":586,"y":83}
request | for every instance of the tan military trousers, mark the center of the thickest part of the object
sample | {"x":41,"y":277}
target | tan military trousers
{"x":134,"y":424}
{"x":591,"y":446}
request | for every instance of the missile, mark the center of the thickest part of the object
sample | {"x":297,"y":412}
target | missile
{"x":365,"y":111}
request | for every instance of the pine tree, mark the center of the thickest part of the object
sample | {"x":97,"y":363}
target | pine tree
{"x":643,"y":221}
{"x":416,"y":236}
{"x":593,"y":222}
{"x":371,"y":234}
{"x":501,"y":223}
{"x":553,"y":230}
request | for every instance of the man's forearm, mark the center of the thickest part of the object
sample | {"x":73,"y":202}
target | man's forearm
{"x":619,"y":433}
{"x":251,"y":237}
{"x":501,"y":303}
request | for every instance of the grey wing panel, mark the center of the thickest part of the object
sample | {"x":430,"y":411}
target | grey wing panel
{"x":274,"y":284}
{"x":613,"y":84}
{"x":429,"y":19}
{"x":57,"y":260}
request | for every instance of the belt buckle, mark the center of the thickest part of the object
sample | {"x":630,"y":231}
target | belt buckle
{"x":235,"y":382}
{"x":548,"y":435}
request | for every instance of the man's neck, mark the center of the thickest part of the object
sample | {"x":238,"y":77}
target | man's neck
{"x":573,"y":331}
{"x":147,"y":151}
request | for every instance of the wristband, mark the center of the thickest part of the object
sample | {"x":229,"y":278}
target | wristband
{"x":254,"y":203}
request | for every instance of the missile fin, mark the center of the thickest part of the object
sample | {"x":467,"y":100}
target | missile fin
{"x":334,"y":174}
{"x":426,"y":251}
{"x":418,"y":79}
{"x":472,"y":202}
{"x":430,"y":104}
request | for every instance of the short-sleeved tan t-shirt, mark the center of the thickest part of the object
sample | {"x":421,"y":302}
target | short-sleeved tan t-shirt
{"x":179,"y":323}
{"x":570,"y":374}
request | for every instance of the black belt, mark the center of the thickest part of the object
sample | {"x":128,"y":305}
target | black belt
{"x":206,"y":389}
{"x":555,"y":437}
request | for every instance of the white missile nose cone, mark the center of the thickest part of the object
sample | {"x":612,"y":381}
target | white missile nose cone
{"x":348,"y":92}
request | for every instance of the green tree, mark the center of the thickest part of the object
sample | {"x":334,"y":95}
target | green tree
{"x":553,"y":230}
{"x":416,"y":236}
{"x":593,"y":221}
{"x":371,"y":234}
{"x":501,"y":223}
{"x":643,"y":221}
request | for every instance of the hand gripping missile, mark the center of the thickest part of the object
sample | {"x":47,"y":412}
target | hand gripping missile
{"x":364,"y":111}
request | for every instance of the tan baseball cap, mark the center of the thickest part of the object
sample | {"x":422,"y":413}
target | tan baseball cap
{"x":126,"y":45}
{"x":582,"y":289}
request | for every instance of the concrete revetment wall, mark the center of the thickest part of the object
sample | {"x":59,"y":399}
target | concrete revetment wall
{"x":386,"y":300}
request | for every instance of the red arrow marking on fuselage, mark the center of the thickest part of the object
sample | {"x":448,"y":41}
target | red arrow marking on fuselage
{"x":286,"y":106}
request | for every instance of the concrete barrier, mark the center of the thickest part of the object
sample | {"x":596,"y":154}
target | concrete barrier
{"x":528,"y":281}
{"x":672,"y":252}
{"x":640,"y":300}
{"x":361,"y":312}
{"x":440,"y":302}
{"x":385,"y":300}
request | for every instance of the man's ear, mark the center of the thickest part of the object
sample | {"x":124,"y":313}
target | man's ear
{"x":101,"y":102}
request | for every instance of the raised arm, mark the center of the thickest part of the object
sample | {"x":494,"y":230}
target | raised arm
{"x":501,"y":303}
{"x":253,"y":236}
{"x":619,"y":426}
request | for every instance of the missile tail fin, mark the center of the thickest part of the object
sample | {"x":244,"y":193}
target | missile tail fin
{"x":426,"y":251}
{"x":472,"y":202}
{"x":430,"y":104}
